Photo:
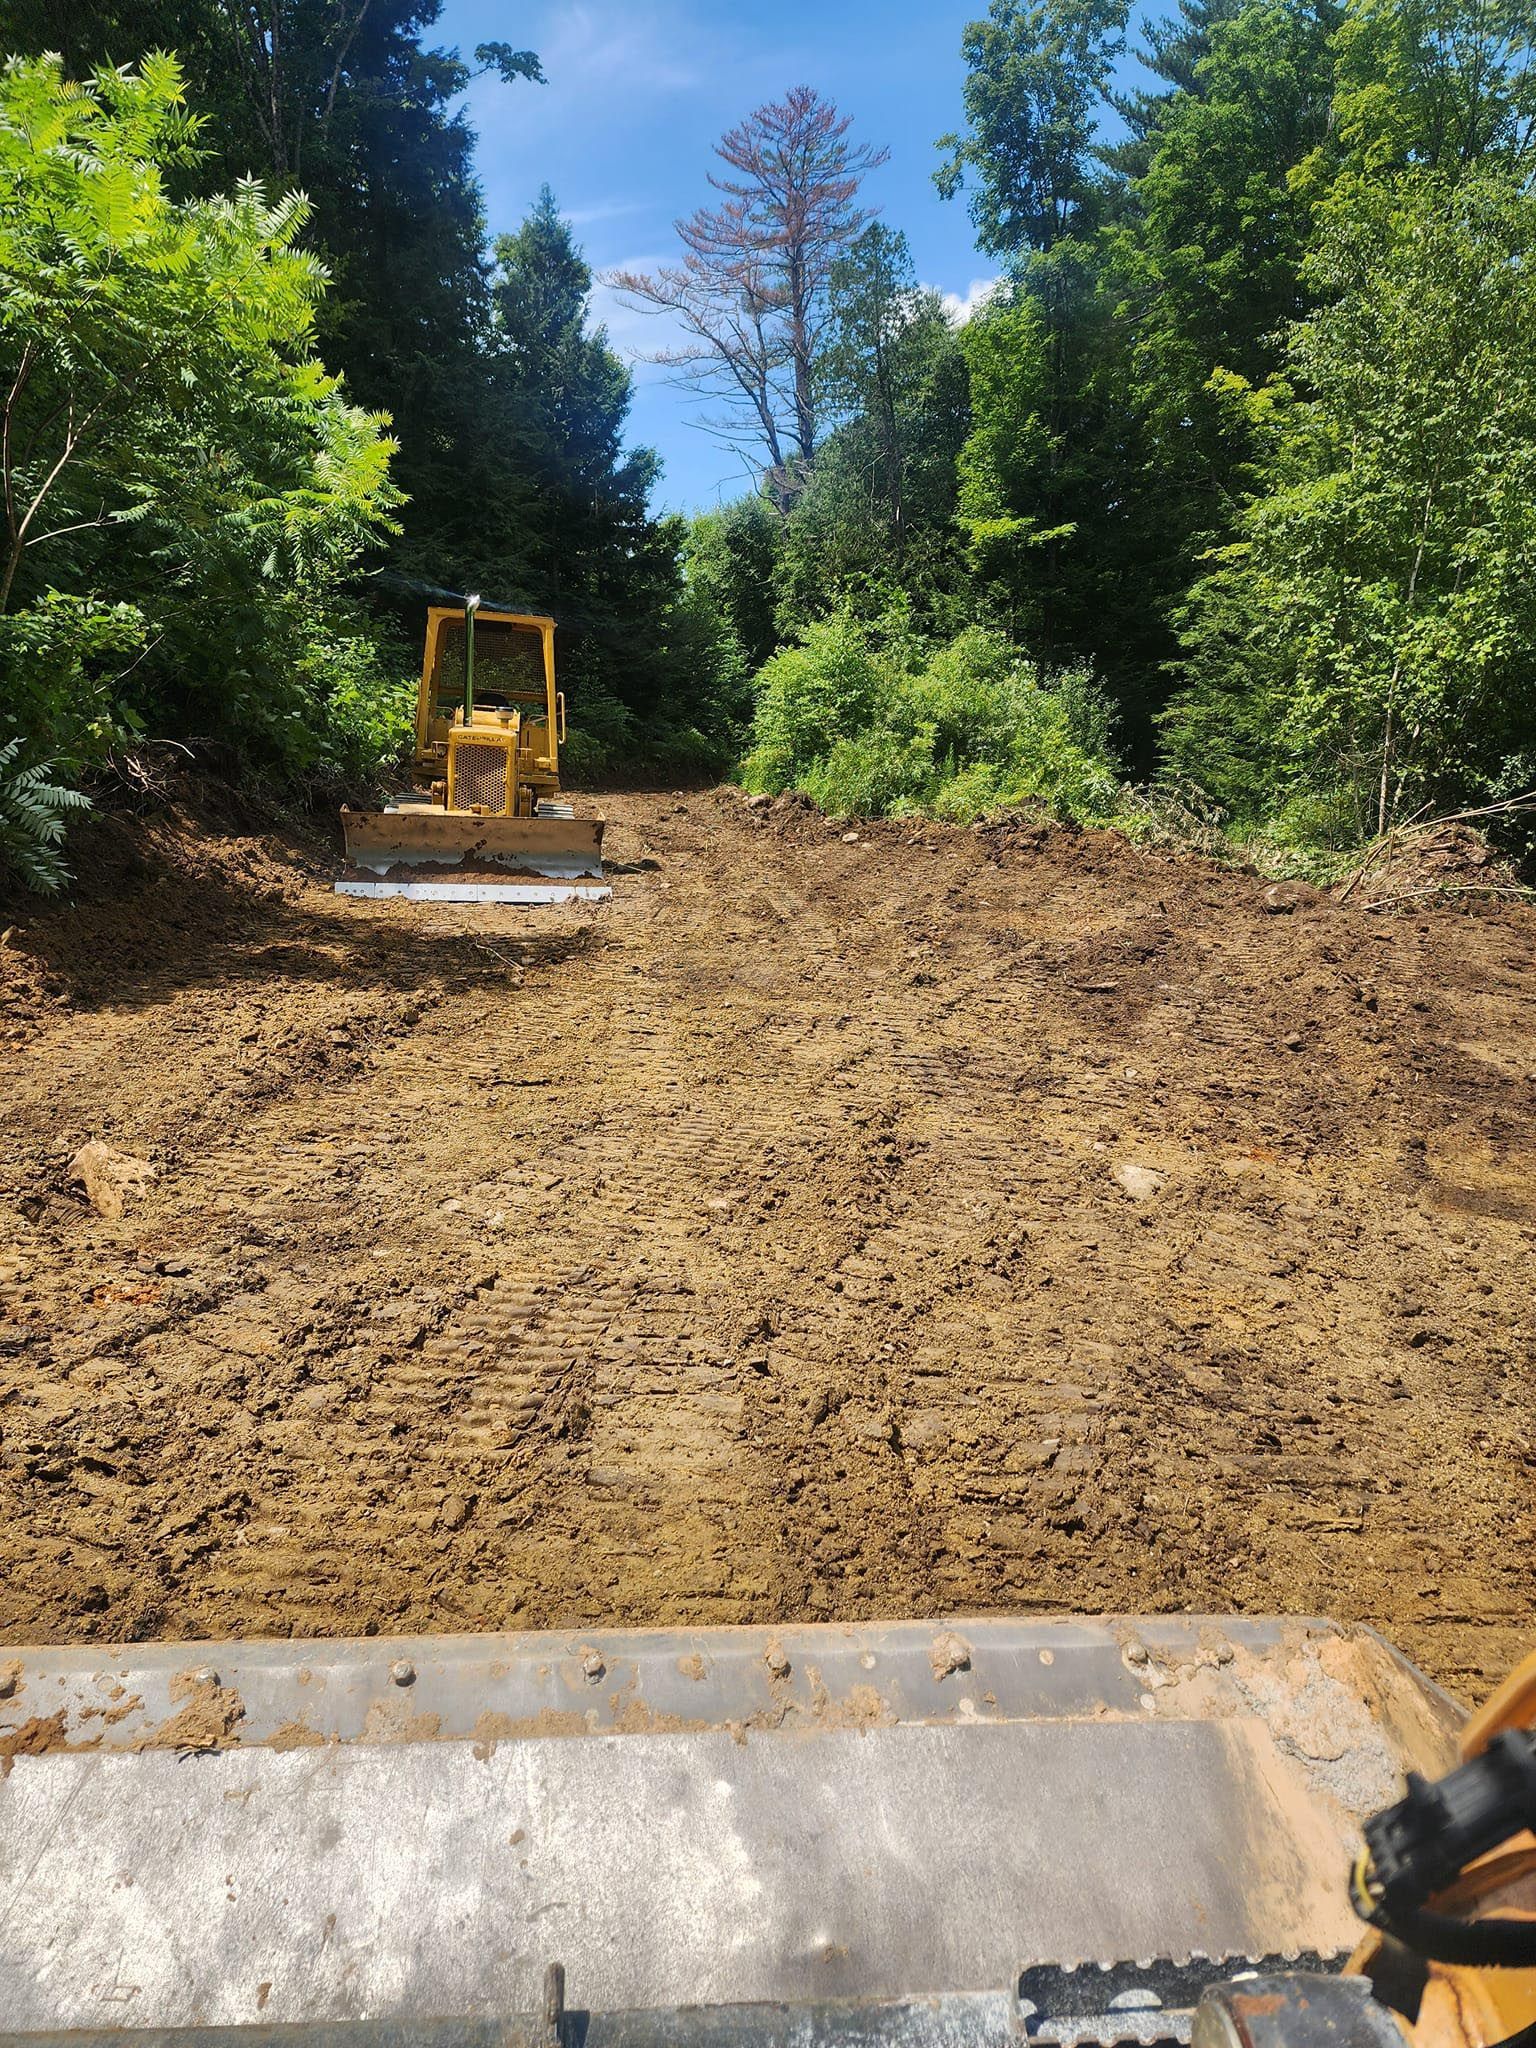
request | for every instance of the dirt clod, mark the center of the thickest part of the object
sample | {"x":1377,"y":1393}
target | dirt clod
{"x":111,"y":1179}
{"x":949,"y":1653}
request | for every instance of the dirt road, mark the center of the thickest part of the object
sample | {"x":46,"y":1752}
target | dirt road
{"x":932,"y":1222}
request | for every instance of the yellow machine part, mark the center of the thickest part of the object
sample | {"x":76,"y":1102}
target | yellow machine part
{"x":419,"y":835}
{"x":1463,"y":2007}
{"x":514,"y":678}
{"x":483,"y":769}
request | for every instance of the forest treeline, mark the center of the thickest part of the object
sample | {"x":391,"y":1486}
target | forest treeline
{"x":1227,"y":489}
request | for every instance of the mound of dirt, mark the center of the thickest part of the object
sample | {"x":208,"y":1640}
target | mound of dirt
{"x":846,"y":1220}
{"x":189,"y":873}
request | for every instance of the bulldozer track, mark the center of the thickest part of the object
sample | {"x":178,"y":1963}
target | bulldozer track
{"x":937,"y":1221}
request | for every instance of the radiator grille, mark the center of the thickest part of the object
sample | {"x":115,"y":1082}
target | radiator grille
{"x":480,"y":777}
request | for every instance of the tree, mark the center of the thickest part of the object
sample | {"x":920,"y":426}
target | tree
{"x":1033,"y":483}
{"x":1172,"y":49}
{"x":1037,"y":82}
{"x":750,"y":295}
{"x":731,"y":557}
{"x":568,"y":530}
{"x":1207,"y":268}
{"x":1368,"y":643}
{"x":1443,"y":84}
{"x":344,"y":99}
{"x":182,"y":481}
{"x":875,"y":302}
{"x":879,"y":508}
{"x":559,"y":399}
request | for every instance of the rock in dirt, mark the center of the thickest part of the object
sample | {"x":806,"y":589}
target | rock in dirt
{"x":111,"y":1179}
{"x":1140,"y":1182}
{"x":1280,"y":899}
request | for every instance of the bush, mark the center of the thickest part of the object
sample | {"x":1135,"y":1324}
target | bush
{"x":608,"y":741}
{"x":876,"y":774}
{"x":180,"y":568}
{"x":868,"y":721}
{"x":830,"y":687}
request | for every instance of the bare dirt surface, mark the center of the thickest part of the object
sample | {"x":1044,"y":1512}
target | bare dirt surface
{"x":924,"y":1223}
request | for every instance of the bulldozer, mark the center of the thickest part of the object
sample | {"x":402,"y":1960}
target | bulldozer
{"x":486,"y":796}
{"x":983,"y":1832}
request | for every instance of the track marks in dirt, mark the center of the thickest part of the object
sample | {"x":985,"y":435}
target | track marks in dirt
{"x":753,"y":1249}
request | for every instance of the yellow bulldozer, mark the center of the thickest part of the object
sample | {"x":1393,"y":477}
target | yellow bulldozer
{"x":486,"y":775}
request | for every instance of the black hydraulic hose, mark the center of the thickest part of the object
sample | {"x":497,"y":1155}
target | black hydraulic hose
{"x":1495,"y":1944}
{"x":1420,"y":1846}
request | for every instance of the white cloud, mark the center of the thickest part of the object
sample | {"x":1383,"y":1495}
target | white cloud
{"x":638,"y":46}
{"x":960,"y":307}
{"x":602,"y":210}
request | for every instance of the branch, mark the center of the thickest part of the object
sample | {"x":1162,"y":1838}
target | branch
{"x":341,"y":57}
{"x":18,"y":385}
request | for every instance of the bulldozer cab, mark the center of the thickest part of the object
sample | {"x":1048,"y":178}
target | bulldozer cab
{"x":514,"y":680}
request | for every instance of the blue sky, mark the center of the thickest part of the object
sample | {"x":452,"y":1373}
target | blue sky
{"x":638,"y":92}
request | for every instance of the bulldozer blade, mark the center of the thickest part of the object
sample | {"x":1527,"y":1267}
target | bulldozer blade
{"x":907,"y":1819}
{"x":424,"y":835}
{"x":478,"y":892}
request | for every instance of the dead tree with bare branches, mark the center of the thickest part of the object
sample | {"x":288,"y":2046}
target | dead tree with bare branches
{"x":748,"y":299}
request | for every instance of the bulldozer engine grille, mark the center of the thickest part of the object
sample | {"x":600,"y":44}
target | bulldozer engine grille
{"x":480,"y":777}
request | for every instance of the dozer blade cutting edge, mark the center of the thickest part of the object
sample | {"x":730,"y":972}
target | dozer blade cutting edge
{"x":886,"y":1828}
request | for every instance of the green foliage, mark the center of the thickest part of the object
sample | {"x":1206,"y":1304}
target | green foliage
{"x":1435,"y":84}
{"x":186,"y":489}
{"x":34,"y":810}
{"x":349,"y":104}
{"x":64,"y":662}
{"x":875,"y":722}
{"x":731,"y":558}
{"x":612,"y":746}
{"x":876,"y":515}
{"x":1035,"y":89}
{"x":1369,"y":641}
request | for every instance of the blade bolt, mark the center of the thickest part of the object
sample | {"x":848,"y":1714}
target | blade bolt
{"x":593,"y":1665}
{"x":403,"y":1671}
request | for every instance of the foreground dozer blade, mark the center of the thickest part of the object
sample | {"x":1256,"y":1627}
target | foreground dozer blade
{"x":397,"y":850}
{"x":905,"y":1823}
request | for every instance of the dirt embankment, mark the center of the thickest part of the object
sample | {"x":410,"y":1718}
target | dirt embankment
{"x":915,"y":1223}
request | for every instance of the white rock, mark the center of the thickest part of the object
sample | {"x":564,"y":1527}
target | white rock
{"x":110,"y":1179}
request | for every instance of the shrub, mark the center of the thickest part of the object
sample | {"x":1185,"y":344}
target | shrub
{"x":876,"y":774}
{"x":868,"y":721}
{"x":828,"y":688}
{"x":608,"y":741}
